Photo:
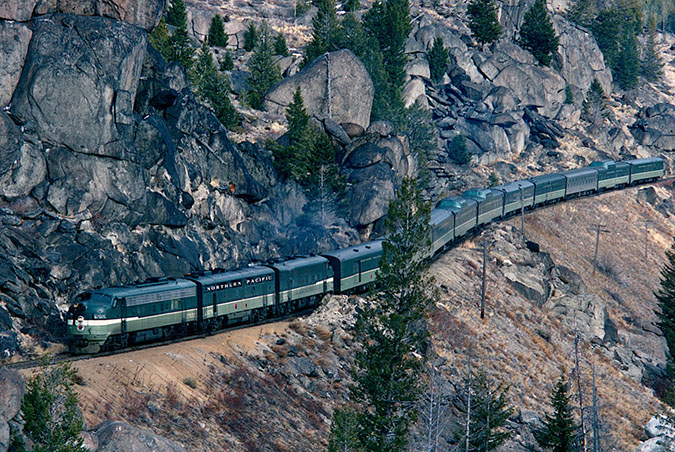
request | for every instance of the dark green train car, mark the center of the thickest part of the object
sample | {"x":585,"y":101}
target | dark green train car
{"x":644,"y":170}
{"x":116,"y":316}
{"x":548,"y":188}
{"x":464,"y":210}
{"x":302,"y":281}
{"x":611,"y":174}
{"x":517,"y":195}
{"x":490,"y":203}
{"x":238,"y":295}
{"x":442,"y":224}
{"x":355,"y":267}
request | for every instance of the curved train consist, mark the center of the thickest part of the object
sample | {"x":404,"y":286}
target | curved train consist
{"x":165,"y":307}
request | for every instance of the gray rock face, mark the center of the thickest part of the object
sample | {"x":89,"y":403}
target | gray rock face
{"x":115,"y":436}
{"x":530,"y":83}
{"x":13,"y":388}
{"x":582,"y":60}
{"x":18,"y":10}
{"x":336,"y":85}
{"x":142,"y":13}
{"x":14,"y":40}
{"x":372,"y":188}
{"x":655,"y":127}
{"x":79,"y":82}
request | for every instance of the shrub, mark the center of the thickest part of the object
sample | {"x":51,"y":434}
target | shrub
{"x":457,"y":150}
{"x":190,"y":382}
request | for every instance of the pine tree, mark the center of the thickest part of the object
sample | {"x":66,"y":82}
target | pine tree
{"x":423,"y":139}
{"x":49,"y":409}
{"x":344,"y":432}
{"x":651,"y":65}
{"x":628,"y":67}
{"x":251,"y":37}
{"x":582,"y":12}
{"x":559,"y":429}
{"x":177,"y":13}
{"x":351,"y":5}
{"x":264,"y":71}
{"x":217,"y":36}
{"x":179,"y":49}
{"x":537,"y":33}
{"x":438,"y":60}
{"x":280,"y":46}
{"x":325,"y":31}
{"x":214,"y":88}
{"x":297,"y":117}
{"x":391,"y":329}
{"x":493,"y":179}
{"x":483,"y":21}
{"x":490,"y":410}
{"x":457,"y":150}
{"x":389,"y":21}
{"x":160,"y":39}
{"x":665,"y":297}
{"x":226,"y":62}
{"x":595,"y":104}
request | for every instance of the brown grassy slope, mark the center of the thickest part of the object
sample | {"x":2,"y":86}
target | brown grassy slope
{"x":523,"y":344}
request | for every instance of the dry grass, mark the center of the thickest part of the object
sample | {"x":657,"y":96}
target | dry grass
{"x":520,"y":343}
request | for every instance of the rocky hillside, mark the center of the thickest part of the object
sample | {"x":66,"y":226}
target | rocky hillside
{"x":112,"y":171}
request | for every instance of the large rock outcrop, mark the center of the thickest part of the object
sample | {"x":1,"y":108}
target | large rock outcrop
{"x":78,"y":85}
{"x":142,"y":13}
{"x":115,"y":436}
{"x":655,"y":127}
{"x":17,"y":10}
{"x":14,"y":40}
{"x":335,"y":85}
{"x":13,"y":388}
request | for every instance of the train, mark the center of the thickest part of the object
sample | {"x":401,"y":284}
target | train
{"x":166,"y":307}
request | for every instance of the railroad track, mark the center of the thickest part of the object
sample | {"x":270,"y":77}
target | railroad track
{"x":67,"y":357}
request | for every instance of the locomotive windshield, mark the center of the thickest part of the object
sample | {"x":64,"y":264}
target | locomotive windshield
{"x":89,"y":305}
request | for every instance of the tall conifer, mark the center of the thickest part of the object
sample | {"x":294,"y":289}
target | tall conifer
{"x":559,"y":429}
{"x":179,"y":48}
{"x":264,"y":71}
{"x":325,"y":31}
{"x":537,"y":33}
{"x":391,"y":329}
{"x":665,"y":298}
{"x":217,"y":36}
{"x":177,"y":13}
{"x":438,"y":59}
{"x":483,"y":21}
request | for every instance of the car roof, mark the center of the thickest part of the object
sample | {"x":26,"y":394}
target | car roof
{"x":372,"y":247}
{"x":298,"y":262}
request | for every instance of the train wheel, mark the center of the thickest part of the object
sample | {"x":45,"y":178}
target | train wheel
{"x":283,"y":308}
{"x":255,"y":317}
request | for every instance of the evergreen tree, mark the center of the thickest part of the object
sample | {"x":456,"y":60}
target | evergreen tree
{"x":264,"y":71}
{"x":595,"y":104}
{"x":457,"y":150}
{"x":537,"y":33}
{"x":325,"y":31}
{"x":628,"y":67}
{"x":438,"y":60}
{"x":651,"y":65}
{"x":493,"y":179}
{"x":490,"y":410}
{"x":423,"y":138}
{"x":389,"y":22}
{"x":582,"y":12}
{"x":569,"y":96}
{"x":665,"y":297}
{"x":483,"y":21}
{"x":351,"y":5}
{"x":251,"y":37}
{"x":391,"y":329}
{"x":217,"y":36}
{"x":179,"y":49}
{"x":49,"y":409}
{"x":280,"y":46}
{"x":177,"y":13}
{"x":559,"y":429}
{"x":160,"y":39}
{"x":226,"y":62}
{"x":344,"y":433}
{"x":308,"y":150}
{"x":214,"y":88}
